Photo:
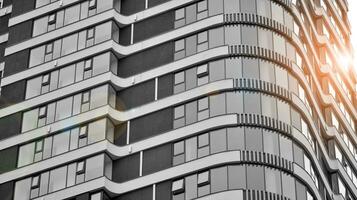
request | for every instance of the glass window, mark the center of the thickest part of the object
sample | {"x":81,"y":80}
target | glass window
{"x":263,"y":8}
{"x":72,"y":14}
{"x":101,"y":64}
{"x":231,"y":6}
{"x":216,"y":70}
{"x":37,"y":56}
{"x":103,"y":5}
{"x":216,"y":37}
{"x":219,"y":179}
{"x":271,"y":142}
{"x":57,"y":179}
{"x":217,"y":104}
{"x":232,"y":35}
{"x":265,"y":38}
{"x":267,"y":71}
{"x":255,"y":177}
{"x":288,"y":184}
{"x":273,"y":180}
{"x":233,"y":68}
{"x":283,"y":111}
{"x":44,"y":183}
{"x":33,"y":87}
{"x":103,"y":32}
{"x":99,"y":97}
{"x":191,"y":78}
{"x":40,"y":3}
{"x":191,"y":45}
{"x":253,"y":137}
{"x":247,"y":6}
{"x":269,"y":106}
{"x":69,"y":44}
{"x":22,"y":189}
{"x":29,"y":120}
{"x":60,"y":18}
{"x":236,"y":177}
{"x":191,"y":14}
{"x":286,"y":148}
{"x":191,"y":187}
{"x":234,"y":102}
{"x":250,"y":68}
{"x":249,"y":34}
{"x":252,"y":103}
{"x":282,"y":81}
{"x":218,"y":141}
{"x":235,"y":138}
{"x":191,"y":149}
{"x":40,"y":26}
{"x":94,"y":167}
{"x":178,"y":186}
{"x":66,"y":76}
{"x":279,"y":44}
{"x":60,"y":143}
{"x":64,"y":108}
{"x":278,"y":14}
{"x":191,"y":112}
{"x":26,"y":154}
{"x":215,"y":7}
{"x":96,"y":131}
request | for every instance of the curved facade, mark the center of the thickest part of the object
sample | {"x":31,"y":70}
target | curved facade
{"x":177,"y":100}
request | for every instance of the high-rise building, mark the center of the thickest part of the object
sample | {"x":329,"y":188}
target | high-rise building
{"x":177,"y":100}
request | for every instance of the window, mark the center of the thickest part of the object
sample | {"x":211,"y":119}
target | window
{"x":35,"y":186}
{"x":85,"y":101}
{"x":179,"y":156}
{"x":203,"y":111}
{"x":1,"y":3}
{"x":203,"y":145}
{"x":191,"y":149}
{"x":180,"y":17}
{"x":179,"y":82}
{"x":219,"y":180}
{"x":180,"y":49}
{"x":179,"y":116}
{"x":202,"y":41}
{"x":90,"y":37}
{"x":202,"y":9}
{"x":43,"y":112}
{"x":92,"y":4}
{"x":72,"y":14}
{"x":202,"y":74}
{"x":83,"y":135}
{"x":69,"y":44}
{"x":52,"y":19}
{"x":38,"y":150}
{"x":178,"y":186}
{"x":203,"y":178}
{"x":48,"y":52}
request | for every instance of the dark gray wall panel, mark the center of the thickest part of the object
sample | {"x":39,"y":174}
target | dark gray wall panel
{"x":140,"y":194}
{"x":13,"y":93}
{"x":146,"y":60}
{"x":2,"y":51}
{"x":163,"y":191}
{"x":8,"y":159}
{"x":20,"y":32}
{"x":126,"y":168}
{"x":4,"y":20}
{"x":150,"y":125}
{"x":120,"y":134}
{"x":153,"y":26}
{"x":7,"y":2}
{"x":165,"y":86}
{"x":129,"y":7}
{"x":83,"y":197}
{"x":156,"y":159}
{"x":16,"y":62}
{"x":10,"y":125}
{"x":153,"y":3}
{"x":136,"y":96}
{"x":6,"y":191}
{"x":125,"y":34}
{"x":22,"y":6}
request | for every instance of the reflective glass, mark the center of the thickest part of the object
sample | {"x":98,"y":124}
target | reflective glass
{"x":33,"y":87}
{"x":37,"y":56}
{"x":96,"y":131}
{"x":40,"y":26}
{"x":191,"y":149}
{"x":69,"y":44}
{"x":101,"y":64}
{"x":29,"y":120}
{"x":191,"y":187}
{"x":26,"y":154}
{"x":217,"y":104}
{"x":219,"y":179}
{"x":273,"y":180}
{"x":271,"y":142}
{"x":235,"y":138}
{"x":99,"y":97}
{"x":22,"y":189}
{"x":255,"y":177}
{"x":72,"y":14}
{"x":60,"y":143}
{"x":94,"y":167}
{"x":57,"y":179}
{"x":236,"y":177}
{"x":254,"y":140}
{"x":103,"y":32}
{"x":218,"y":141}
{"x":66,"y":76}
{"x":64,"y":108}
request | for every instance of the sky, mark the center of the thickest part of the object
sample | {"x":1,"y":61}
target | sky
{"x":353,"y":20}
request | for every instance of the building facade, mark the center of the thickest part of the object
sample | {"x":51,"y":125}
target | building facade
{"x":177,"y":100}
